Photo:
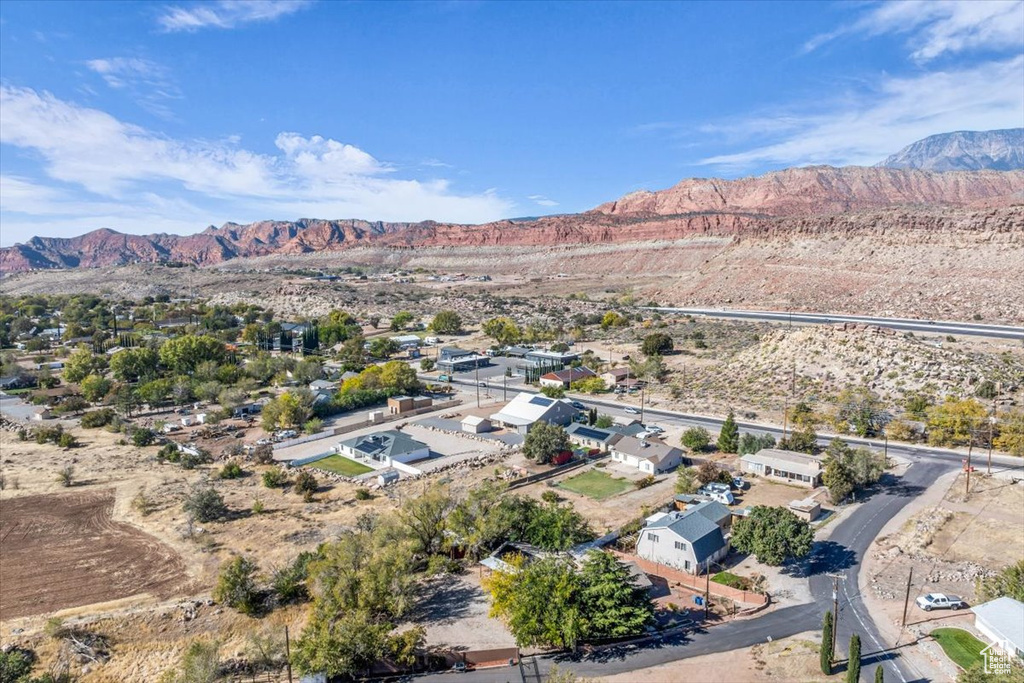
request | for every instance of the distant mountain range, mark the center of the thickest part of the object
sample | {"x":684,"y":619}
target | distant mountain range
{"x":797,"y":199}
{"x":964,"y":150}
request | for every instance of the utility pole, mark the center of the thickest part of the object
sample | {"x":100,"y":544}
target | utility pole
{"x":991,"y":428}
{"x":785,"y":417}
{"x":906,"y":599}
{"x":476,"y":375}
{"x":707,"y":589}
{"x":642,"y":387}
{"x":970,"y":447}
{"x":504,"y":387}
{"x":288,"y":654}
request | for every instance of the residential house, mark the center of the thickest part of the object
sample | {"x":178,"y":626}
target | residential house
{"x":563,"y":379}
{"x":407,"y":341}
{"x":322,"y":385}
{"x":614,"y":376}
{"x":385,"y":447}
{"x":592,"y":437}
{"x":715,"y":512}
{"x":627,"y":427}
{"x":525,"y":410}
{"x":649,"y":455}
{"x":1002,"y":622}
{"x":687,"y":540}
{"x":785,"y":466}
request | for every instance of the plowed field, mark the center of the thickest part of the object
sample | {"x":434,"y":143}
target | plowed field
{"x":60,"y":551}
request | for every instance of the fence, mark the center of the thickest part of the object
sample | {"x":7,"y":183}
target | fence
{"x":698,"y":583}
{"x":553,"y":472}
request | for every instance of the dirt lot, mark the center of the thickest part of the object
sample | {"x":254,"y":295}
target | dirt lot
{"x":65,"y":551}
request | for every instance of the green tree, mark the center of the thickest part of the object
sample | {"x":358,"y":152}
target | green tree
{"x":290,"y":409}
{"x":183,"y":354}
{"x":590,"y":385}
{"x":952,"y":423}
{"x":381,"y":347}
{"x":400,"y":320}
{"x":729,"y":437}
{"x":539,"y":602}
{"x":773,"y":534}
{"x":446,"y":322}
{"x":154,"y":392}
{"x":503,"y":330}
{"x":1008,"y":582}
{"x":612,"y":605}
{"x":752,"y":444}
{"x":399,"y":377}
{"x":544,"y":441}
{"x":203,"y":504}
{"x":657,"y":344}
{"x":917,"y":405}
{"x":305,"y":483}
{"x":424,"y":518}
{"x":803,"y":440}
{"x":553,"y":392}
{"x":604,"y":421}
{"x":236,"y":585}
{"x":978,"y":674}
{"x":853,"y":665}
{"x":837,"y":479}
{"x":686,"y":480}
{"x":132,"y":364}
{"x":81,"y":363}
{"x":861,"y":409}
{"x":879,"y":674}
{"x":95,"y":387}
{"x":696,"y":439}
{"x":827,"y":653}
{"x":427,"y":365}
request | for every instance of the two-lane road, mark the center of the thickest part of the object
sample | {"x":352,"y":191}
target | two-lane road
{"x":903,"y":324}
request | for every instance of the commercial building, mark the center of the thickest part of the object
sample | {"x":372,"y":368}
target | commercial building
{"x":526,"y":410}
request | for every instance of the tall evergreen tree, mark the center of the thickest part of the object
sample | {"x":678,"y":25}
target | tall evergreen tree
{"x":729,"y":437}
{"x":826,"y":645}
{"x":879,"y":674}
{"x":612,"y":604}
{"x":853,"y":667}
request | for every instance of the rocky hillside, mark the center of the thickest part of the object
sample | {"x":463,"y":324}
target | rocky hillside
{"x":965,"y":150}
{"x":816,"y":199}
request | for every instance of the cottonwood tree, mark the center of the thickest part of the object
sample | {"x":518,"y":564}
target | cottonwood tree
{"x":425,"y":517}
{"x":544,"y":441}
{"x":446,"y":322}
{"x":773,"y":534}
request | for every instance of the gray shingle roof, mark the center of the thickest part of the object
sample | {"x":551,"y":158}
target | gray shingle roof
{"x":702,"y":534}
{"x":712,"y":510}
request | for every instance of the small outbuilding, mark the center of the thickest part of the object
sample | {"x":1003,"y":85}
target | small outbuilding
{"x":807,"y":509}
{"x":474,"y":424}
{"x":386,"y":477}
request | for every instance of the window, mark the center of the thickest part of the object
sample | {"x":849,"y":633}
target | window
{"x":653,"y":538}
{"x":680,"y":545}
{"x":686,"y":565}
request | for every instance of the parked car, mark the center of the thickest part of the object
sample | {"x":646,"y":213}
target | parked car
{"x":459,"y":667}
{"x":578,"y":406}
{"x":940,"y":601}
{"x":740,"y":483}
{"x":632,"y":411}
{"x":655,"y":429}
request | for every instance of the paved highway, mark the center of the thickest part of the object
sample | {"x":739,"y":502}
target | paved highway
{"x":904,"y":324}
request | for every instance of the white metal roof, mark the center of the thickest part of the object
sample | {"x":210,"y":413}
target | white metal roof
{"x":1005,"y":616}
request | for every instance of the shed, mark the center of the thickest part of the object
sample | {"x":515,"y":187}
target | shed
{"x":474,"y":424}
{"x":807,"y":509}
{"x":400,"y":404}
{"x":386,"y":477}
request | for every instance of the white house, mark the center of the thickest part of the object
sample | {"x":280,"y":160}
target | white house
{"x":647,"y":455}
{"x":688,"y":541}
{"x":1002,"y":622}
{"x":385,"y":447}
{"x":525,"y":410}
{"x":785,"y":466}
{"x":592,"y":437}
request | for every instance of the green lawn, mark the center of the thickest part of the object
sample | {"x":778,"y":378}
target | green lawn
{"x":960,"y":646}
{"x":731,"y":580}
{"x":342,"y":466}
{"x":595,"y":484}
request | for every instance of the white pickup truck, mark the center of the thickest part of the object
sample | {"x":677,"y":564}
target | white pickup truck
{"x":940,"y":601}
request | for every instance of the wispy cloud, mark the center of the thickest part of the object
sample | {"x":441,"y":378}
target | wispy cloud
{"x":541,"y":200}
{"x":226,"y":14}
{"x":118,"y":164}
{"x":939,"y":27}
{"x":149,"y":83}
{"x":862,"y":129}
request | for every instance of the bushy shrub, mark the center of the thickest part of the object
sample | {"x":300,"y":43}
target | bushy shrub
{"x":306,"y":483}
{"x":363,"y":494}
{"x":231,"y":470}
{"x":98,"y":418}
{"x":204,"y":504}
{"x":274,"y":478}
{"x":143,"y":437}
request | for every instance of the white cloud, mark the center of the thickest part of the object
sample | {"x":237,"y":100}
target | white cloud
{"x":226,"y":14}
{"x":134,"y":174}
{"x":542,"y":200}
{"x":865,"y":128}
{"x":149,"y":83}
{"x":937,"y":28}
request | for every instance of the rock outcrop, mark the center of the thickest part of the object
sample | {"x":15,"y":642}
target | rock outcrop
{"x":965,"y":150}
{"x":814,"y":200}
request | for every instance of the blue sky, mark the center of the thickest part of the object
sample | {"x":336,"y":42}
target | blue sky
{"x":152,"y":117}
